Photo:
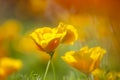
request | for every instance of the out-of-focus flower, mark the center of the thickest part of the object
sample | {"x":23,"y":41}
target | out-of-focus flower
{"x":86,"y":59}
{"x":31,"y":8}
{"x":118,"y":75}
{"x":3,"y":51}
{"x":26,"y":45}
{"x":9,"y":66}
{"x":37,"y":6}
{"x":47,"y":39}
{"x":99,"y":74}
{"x":113,"y":75}
{"x":10,"y":29}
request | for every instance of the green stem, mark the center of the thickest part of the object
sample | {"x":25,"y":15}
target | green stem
{"x":53,"y":70}
{"x":90,"y":77}
{"x":48,"y":64}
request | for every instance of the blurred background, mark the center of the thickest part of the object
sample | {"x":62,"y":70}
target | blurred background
{"x":97,"y":22}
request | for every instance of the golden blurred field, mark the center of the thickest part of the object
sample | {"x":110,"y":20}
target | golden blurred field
{"x":97,"y":23}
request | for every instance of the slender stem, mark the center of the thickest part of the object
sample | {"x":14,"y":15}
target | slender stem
{"x":48,"y":64}
{"x":52,"y":53}
{"x":53,"y":70}
{"x":90,"y":77}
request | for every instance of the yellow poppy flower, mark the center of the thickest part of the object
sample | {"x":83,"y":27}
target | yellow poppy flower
{"x":99,"y":74}
{"x":71,"y":33}
{"x":85,"y":60}
{"x":113,"y":75}
{"x":8,"y":66}
{"x":47,"y":39}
